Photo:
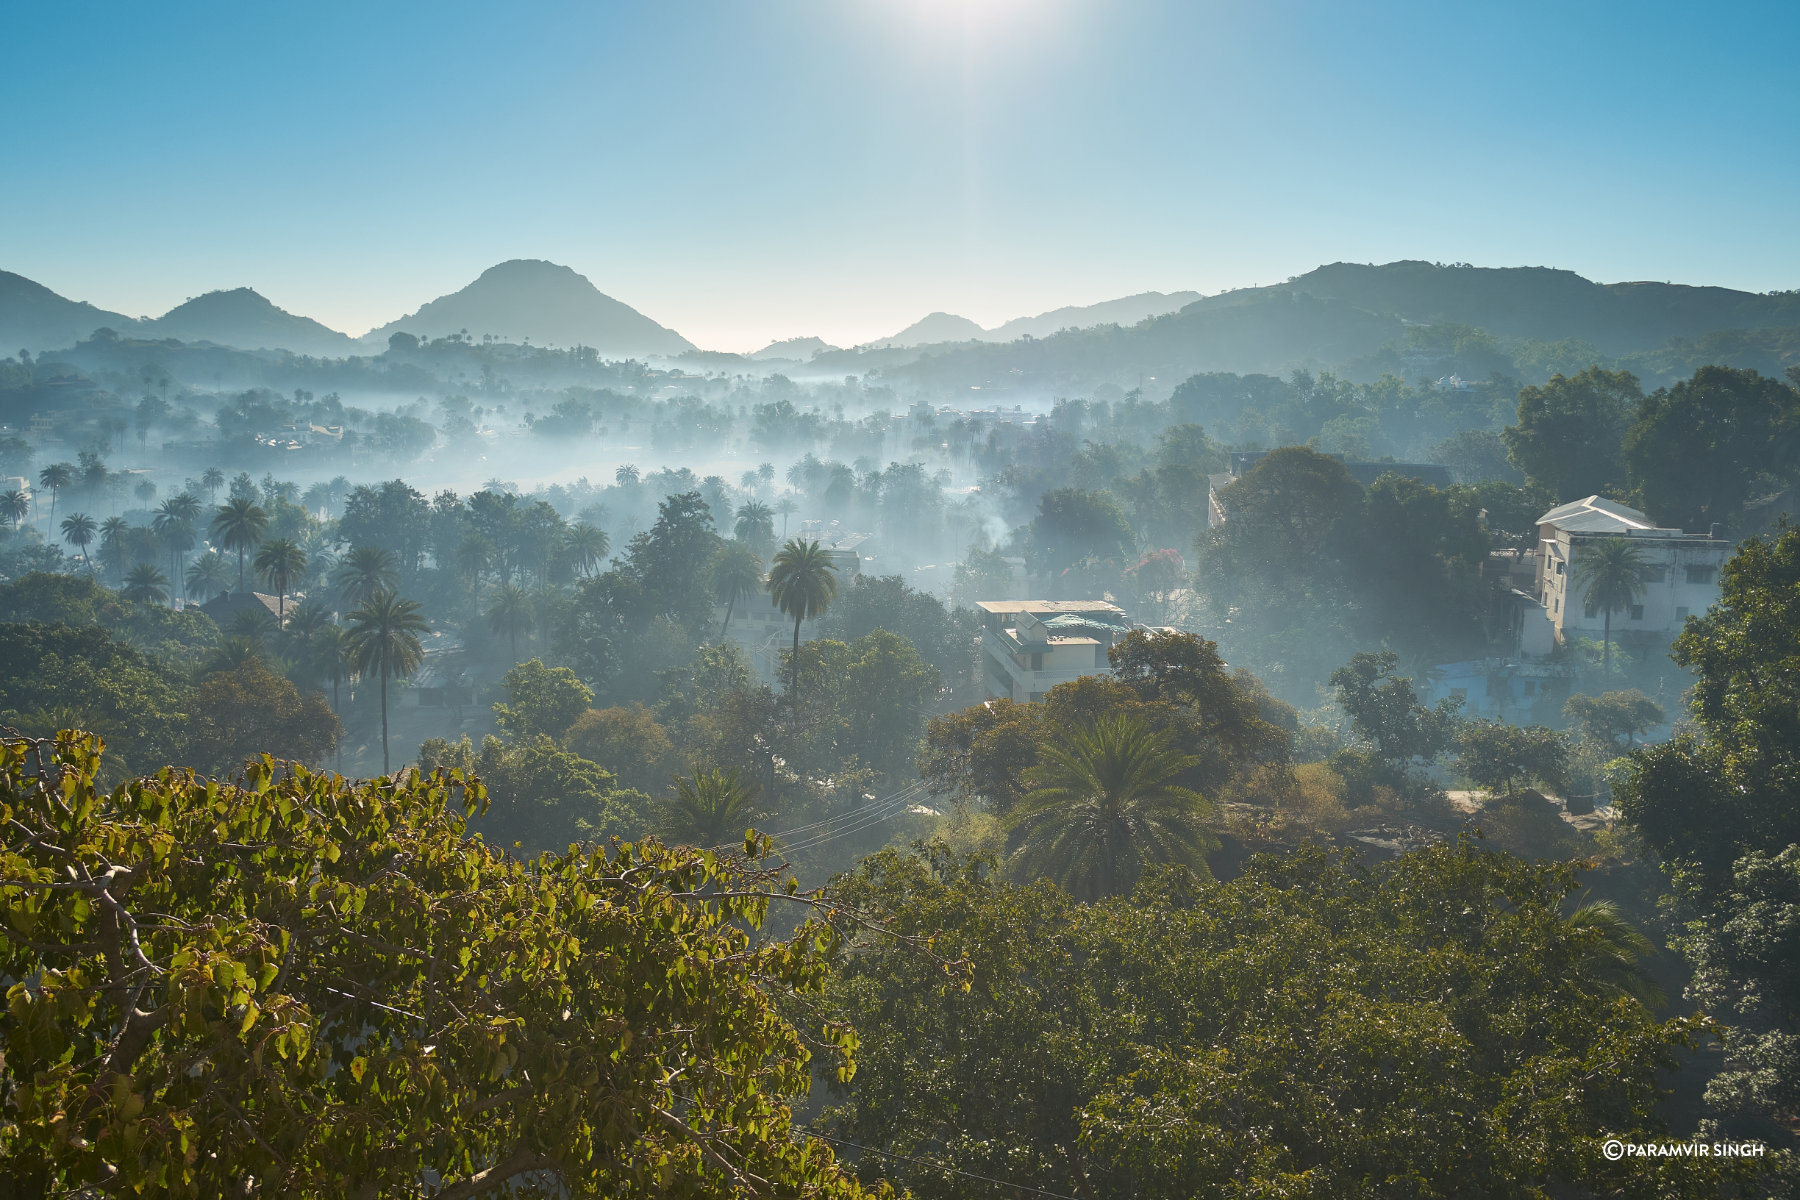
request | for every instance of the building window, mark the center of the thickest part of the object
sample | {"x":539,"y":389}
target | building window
{"x":1701,"y":574}
{"x":1559,"y":568}
{"x":1637,"y":612}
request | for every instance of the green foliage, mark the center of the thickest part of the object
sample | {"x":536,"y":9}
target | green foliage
{"x":803,"y":583}
{"x":711,"y":808}
{"x":1072,"y":525}
{"x":867,"y":701}
{"x":544,"y":797}
{"x":237,"y":714}
{"x":221,"y":990}
{"x":944,"y":637}
{"x":628,"y":741}
{"x":1315,"y":1027}
{"x":1571,"y":431}
{"x":1604,"y":719}
{"x":541,"y":700}
{"x":1496,"y":755}
{"x":82,"y":677}
{"x":1701,"y":448}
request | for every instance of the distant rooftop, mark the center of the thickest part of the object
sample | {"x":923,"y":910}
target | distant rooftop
{"x":1047,"y":607}
{"x":1595,"y":514}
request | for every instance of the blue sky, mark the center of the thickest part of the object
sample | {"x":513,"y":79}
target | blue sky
{"x":750,"y":170}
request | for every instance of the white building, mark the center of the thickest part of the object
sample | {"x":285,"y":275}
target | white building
{"x":1030,"y":646}
{"x":1682,"y":577}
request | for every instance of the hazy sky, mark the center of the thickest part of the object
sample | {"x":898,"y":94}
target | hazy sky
{"x":742,"y":171}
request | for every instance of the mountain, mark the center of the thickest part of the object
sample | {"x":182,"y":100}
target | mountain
{"x":35,"y":318}
{"x":245,"y":320}
{"x":932,"y":329}
{"x":1127,"y":310}
{"x":794,"y":349}
{"x":548,"y":303}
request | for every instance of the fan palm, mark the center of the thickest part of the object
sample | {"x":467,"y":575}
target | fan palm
{"x":709,"y":810}
{"x":13,"y":507}
{"x":803,"y":583}
{"x":510,"y":612}
{"x":174,"y":524}
{"x":113,"y":532}
{"x":78,"y":530}
{"x":584,"y":546}
{"x":383,"y":641}
{"x":1615,"y":952}
{"x":144,"y":584}
{"x":280,"y":562}
{"x":56,"y":477}
{"x":207,"y":576}
{"x":1610,"y":574}
{"x":363,"y":573}
{"x":737,"y":575}
{"x":1104,"y":803}
{"x":212,"y":479}
{"x":238,"y":525}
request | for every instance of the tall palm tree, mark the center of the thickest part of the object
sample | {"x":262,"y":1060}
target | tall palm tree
{"x":113,"y":532}
{"x":1104,"y":803}
{"x":708,"y":810}
{"x":755,"y":525}
{"x":146,"y":585}
{"x":474,"y":555}
{"x":510,"y":612}
{"x":212,"y":479}
{"x":280,"y":562}
{"x":1610,"y":574}
{"x":383,"y":640}
{"x":786,"y":506}
{"x":78,"y":530}
{"x":363,"y":572}
{"x":737,"y":575}
{"x":803,"y":583}
{"x":238,"y":525}
{"x":207,"y":576}
{"x":13,"y":507}
{"x":56,"y":477}
{"x":584,"y":546}
{"x":174,"y":524}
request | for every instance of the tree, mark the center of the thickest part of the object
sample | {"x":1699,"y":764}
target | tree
{"x":510,"y":612}
{"x":364,"y":572}
{"x":1496,"y":755}
{"x":1104,"y":804}
{"x":586,"y":547}
{"x":78,"y":530}
{"x":379,"y":1000}
{"x":755,"y":527}
{"x":249,"y":710}
{"x":212,"y":479}
{"x":146,"y":585}
{"x":206,"y":576}
{"x":541,"y":700}
{"x":1604,"y":719}
{"x":14,"y":505}
{"x":56,"y":477}
{"x":1571,"y":431}
{"x":1387,"y":718}
{"x":737,"y":575}
{"x":280,"y":562}
{"x":1074,"y":524}
{"x":628,"y":741}
{"x":1610,"y":574}
{"x":803,"y":583}
{"x":174,"y":525}
{"x":710,"y":809}
{"x":382,"y":640}
{"x":1706,"y":445}
{"x":238,"y":525}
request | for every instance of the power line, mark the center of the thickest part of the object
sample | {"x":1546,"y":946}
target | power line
{"x":924,"y":1162}
{"x":870,"y":818}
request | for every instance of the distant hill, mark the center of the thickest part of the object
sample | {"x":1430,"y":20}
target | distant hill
{"x":548,"y":303}
{"x":797,"y":349}
{"x":932,"y":329}
{"x":246,"y":321}
{"x":34,"y":318}
{"x":1127,"y":310}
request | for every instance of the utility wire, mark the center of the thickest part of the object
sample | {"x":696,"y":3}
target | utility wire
{"x":869,"y":818}
{"x":925,"y":1162}
{"x":910,"y":790}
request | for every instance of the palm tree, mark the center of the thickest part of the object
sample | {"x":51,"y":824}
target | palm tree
{"x":364,"y":572}
{"x":755,"y":525}
{"x":803,"y":583}
{"x":786,"y":506}
{"x":146,"y":585}
{"x":78,"y":530}
{"x":383,"y":640}
{"x":145,"y":489}
{"x":1610,"y":574}
{"x":212,"y":479}
{"x":280,"y":562}
{"x":709,"y":810}
{"x":585,"y":546}
{"x":113,"y":532}
{"x":627,"y":475}
{"x":174,"y":524}
{"x":13,"y":507}
{"x":1104,"y":803}
{"x":56,"y":477}
{"x":207,"y":576}
{"x":1615,"y":952}
{"x":510,"y":612}
{"x":474,"y":554}
{"x":239,"y":525}
{"x":738,"y":574}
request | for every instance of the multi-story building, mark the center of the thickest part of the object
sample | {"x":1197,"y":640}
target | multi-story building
{"x":1682,"y":576}
{"x":1030,"y":646}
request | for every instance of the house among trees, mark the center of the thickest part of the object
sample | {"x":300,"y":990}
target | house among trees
{"x":225,"y":607}
{"x":1030,"y":646}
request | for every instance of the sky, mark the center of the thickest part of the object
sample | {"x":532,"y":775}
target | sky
{"x":745,"y":171}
